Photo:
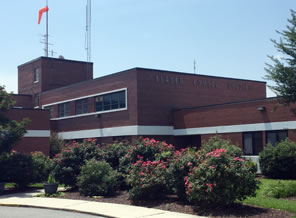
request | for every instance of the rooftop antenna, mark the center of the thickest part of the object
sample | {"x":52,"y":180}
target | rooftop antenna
{"x":41,"y":11}
{"x":46,"y":36}
{"x":88,"y":30}
{"x":194,"y":66}
{"x":88,"y":36}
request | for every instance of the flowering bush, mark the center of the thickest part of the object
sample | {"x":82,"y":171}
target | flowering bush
{"x":220,"y":178}
{"x":279,"y":162}
{"x":112,"y":153}
{"x":97,"y":178}
{"x":148,"y":150}
{"x":72,"y":157}
{"x":41,"y":167}
{"x":147,"y":179}
{"x":179,"y":167}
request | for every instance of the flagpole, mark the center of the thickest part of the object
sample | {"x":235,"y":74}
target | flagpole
{"x":46,"y":36}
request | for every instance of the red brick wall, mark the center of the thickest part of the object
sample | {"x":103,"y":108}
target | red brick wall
{"x":232,"y":114}
{"x":31,"y":144}
{"x":235,"y":138}
{"x":53,"y":73}
{"x":39,"y":120}
{"x":60,"y":72}
{"x":26,"y":83}
{"x":160,"y":92}
{"x":126,"y":79}
{"x":25,"y":101}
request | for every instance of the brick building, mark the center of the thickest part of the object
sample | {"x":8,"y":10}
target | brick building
{"x":181,"y":108}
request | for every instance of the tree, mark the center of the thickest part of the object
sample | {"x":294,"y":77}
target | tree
{"x":10,"y":130}
{"x":283,"y":70}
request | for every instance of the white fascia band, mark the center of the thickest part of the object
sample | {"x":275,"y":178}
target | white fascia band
{"x":37,"y":133}
{"x":118,"y":131}
{"x":237,"y":128}
{"x":169,"y":130}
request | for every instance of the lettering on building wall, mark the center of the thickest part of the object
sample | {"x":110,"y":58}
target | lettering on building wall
{"x":173,"y":80}
{"x":205,"y":84}
{"x":239,"y":86}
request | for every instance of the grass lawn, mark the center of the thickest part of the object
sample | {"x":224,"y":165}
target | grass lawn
{"x":264,"y":201}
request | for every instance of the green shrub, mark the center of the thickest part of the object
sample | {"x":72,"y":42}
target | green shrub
{"x":41,"y":167}
{"x":112,"y":153}
{"x":282,"y":189}
{"x":279,"y":162}
{"x":217,"y":142}
{"x":97,"y":178}
{"x":18,"y":168}
{"x":146,"y":150}
{"x":147,"y":180}
{"x":72,"y":157}
{"x":56,"y":143}
{"x":179,"y":167}
{"x":220,"y":177}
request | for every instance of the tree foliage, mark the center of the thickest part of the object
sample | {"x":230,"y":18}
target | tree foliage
{"x":283,"y":70}
{"x":10,"y":130}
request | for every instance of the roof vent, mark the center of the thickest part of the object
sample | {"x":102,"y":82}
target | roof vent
{"x":61,"y":57}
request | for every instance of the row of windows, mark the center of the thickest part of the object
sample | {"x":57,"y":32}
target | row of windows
{"x":107,"y":102}
{"x":253,"y":141}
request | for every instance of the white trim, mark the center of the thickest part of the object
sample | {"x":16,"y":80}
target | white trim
{"x":88,"y":96}
{"x":118,"y":131}
{"x":89,"y":114}
{"x":237,"y":128}
{"x":82,"y":97}
{"x":37,"y":133}
{"x":169,"y":130}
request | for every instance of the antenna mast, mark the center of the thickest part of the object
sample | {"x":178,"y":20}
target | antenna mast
{"x":88,"y":30}
{"x":46,"y":35}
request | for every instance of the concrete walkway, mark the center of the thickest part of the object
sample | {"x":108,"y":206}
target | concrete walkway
{"x":89,"y":207}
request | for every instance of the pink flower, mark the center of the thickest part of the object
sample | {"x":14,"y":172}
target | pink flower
{"x":189,"y":164}
{"x":213,"y":167}
{"x":238,"y":159}
{"x":164,"y":143}
{"x":141,"y":173}
{"x":57,"y":155}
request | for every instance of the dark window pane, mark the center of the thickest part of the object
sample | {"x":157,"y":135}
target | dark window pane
{"x":282,"y":135}
{"x":111,"y":101}
{"x":271,"y":138}
{"x":248,"y":145}
{"x":82,"y":106}
{"x":253,"y":143}
{"x":107,"y":102}
{"x":257,"y":142}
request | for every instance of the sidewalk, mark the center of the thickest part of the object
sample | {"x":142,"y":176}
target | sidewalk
{"x":89,"y":207}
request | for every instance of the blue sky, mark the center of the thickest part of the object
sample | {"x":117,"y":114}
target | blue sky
{"x":229,"y":38}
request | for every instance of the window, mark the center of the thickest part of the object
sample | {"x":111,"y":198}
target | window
{"x":111,"y":101}
{"x":252,"y":143}
{"x":36,"y":99}
{"x":274,"y":137}
{"x":50,"y":108}
{"x":36,"y":75}
{"x":64,"y":109}
{"x":81,"y":106}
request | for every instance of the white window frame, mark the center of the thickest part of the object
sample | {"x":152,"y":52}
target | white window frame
{"x":89,"y":96}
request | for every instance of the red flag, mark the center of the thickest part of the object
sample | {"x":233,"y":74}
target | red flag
{"x":41,"y":11}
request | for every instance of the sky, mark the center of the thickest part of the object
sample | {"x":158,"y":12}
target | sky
{"x":229,"y":38}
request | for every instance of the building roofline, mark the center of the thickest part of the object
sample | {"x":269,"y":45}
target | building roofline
{"x":21,"y":95}
{"x":55,"y":59}
{"x":202,"y":75}
{"x":89,"y":81}
{"x":225,"y":104}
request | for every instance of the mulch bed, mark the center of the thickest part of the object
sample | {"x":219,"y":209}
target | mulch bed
{"x":172,"y":203}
